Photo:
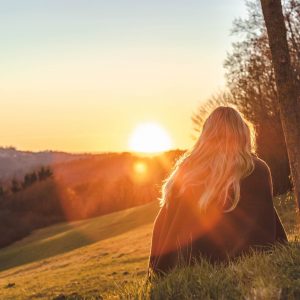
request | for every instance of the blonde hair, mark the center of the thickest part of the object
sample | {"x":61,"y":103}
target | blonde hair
{"x":221,"y":156}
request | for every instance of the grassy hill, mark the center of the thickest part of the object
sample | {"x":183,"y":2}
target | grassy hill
{"x":107,"y":257}
{"x":85,"y":257}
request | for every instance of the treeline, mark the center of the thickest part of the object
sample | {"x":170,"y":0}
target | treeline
{"x":29,"y":179}
{"x":80,"y":189}
{"x":250,"y":85}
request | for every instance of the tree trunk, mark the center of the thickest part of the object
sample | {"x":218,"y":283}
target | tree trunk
{"x":288,"y":96}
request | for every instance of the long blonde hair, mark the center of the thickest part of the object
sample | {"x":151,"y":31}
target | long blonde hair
{"x":219,"y":159}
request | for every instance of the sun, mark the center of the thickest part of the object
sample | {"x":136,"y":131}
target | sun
{"x":149,"y":138}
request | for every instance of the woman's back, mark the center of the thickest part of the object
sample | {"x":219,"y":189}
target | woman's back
{"x":182,"y":230}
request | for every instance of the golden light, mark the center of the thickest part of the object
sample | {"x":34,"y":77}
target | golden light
{"x":140,"y":167}
{"x":140,"y":171}
{"x":149,"y":138}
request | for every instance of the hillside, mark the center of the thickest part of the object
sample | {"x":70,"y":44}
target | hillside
{"x":108,"y":256}
{"x":87,"y":187}
{"x":91,"y":255}
{"x":15,"y":163}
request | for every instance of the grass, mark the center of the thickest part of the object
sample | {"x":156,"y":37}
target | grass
{"x":86,"y":258}
{"x":272,"y":275}
{"x":106,"y":258}
{"x":65,"y":237}
{"x":275,"y":275}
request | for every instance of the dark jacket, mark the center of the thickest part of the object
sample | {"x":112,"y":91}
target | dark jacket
{"x":182,"y":232}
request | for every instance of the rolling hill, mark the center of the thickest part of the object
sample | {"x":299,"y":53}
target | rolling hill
{"x":15,"y":163}
{"x":92,"y":256}
{"x":78,"y":189}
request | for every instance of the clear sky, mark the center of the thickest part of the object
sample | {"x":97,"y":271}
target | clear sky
{"x":81,"y":75}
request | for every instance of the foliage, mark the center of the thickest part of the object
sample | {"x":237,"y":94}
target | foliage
{"x":2,"y":191}
{"x":250,"y":86}
{"x":15,"y":186}
{"x":34,"y":207}
{"x":44,"y":173}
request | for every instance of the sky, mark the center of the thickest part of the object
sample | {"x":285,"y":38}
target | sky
{"x":82,"y":75}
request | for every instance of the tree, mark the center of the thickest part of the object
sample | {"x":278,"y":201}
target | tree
{"x":33,"y":177}
{"x":29,"y":179}
{"x":270,"y":144}
{"x":15,"y":187}
{"x":44,"y":173}
{"x":2,"y":192}
{"x":26,"y":181}
{"x":287,"y":86}
{"x":49,"y":173}
{"x":251,"y":82}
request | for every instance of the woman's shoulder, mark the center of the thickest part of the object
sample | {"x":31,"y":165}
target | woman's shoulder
{"x":260,"y":176}
{"x":260,"y":166}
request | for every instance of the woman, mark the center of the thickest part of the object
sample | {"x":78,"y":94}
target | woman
{"x":217,"y":202}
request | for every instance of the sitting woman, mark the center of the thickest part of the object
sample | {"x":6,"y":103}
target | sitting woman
{"x":217,"y":202}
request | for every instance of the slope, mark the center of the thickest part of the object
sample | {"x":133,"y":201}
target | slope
{"x":90,"y":255}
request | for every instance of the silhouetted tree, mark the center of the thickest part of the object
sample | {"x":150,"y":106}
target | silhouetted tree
{"x":44,"y":173}
{"x":287,"y":86}
{"x":29,"y":179}
{"x":2,"y":192}
{"x":252,"y":88}
{"x":49,"y":173}
{"x":33,"y":177}
{"x":26,"y":181}
{"x":251,"y":81}
{"x":15,"y":186}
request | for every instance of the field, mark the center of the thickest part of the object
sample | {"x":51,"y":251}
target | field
{"x":106,"y":257}
{"x":86,"y":258}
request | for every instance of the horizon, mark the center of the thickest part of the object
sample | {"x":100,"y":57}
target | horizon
{"x":142,"y":154}
{"x":81,"y":78}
